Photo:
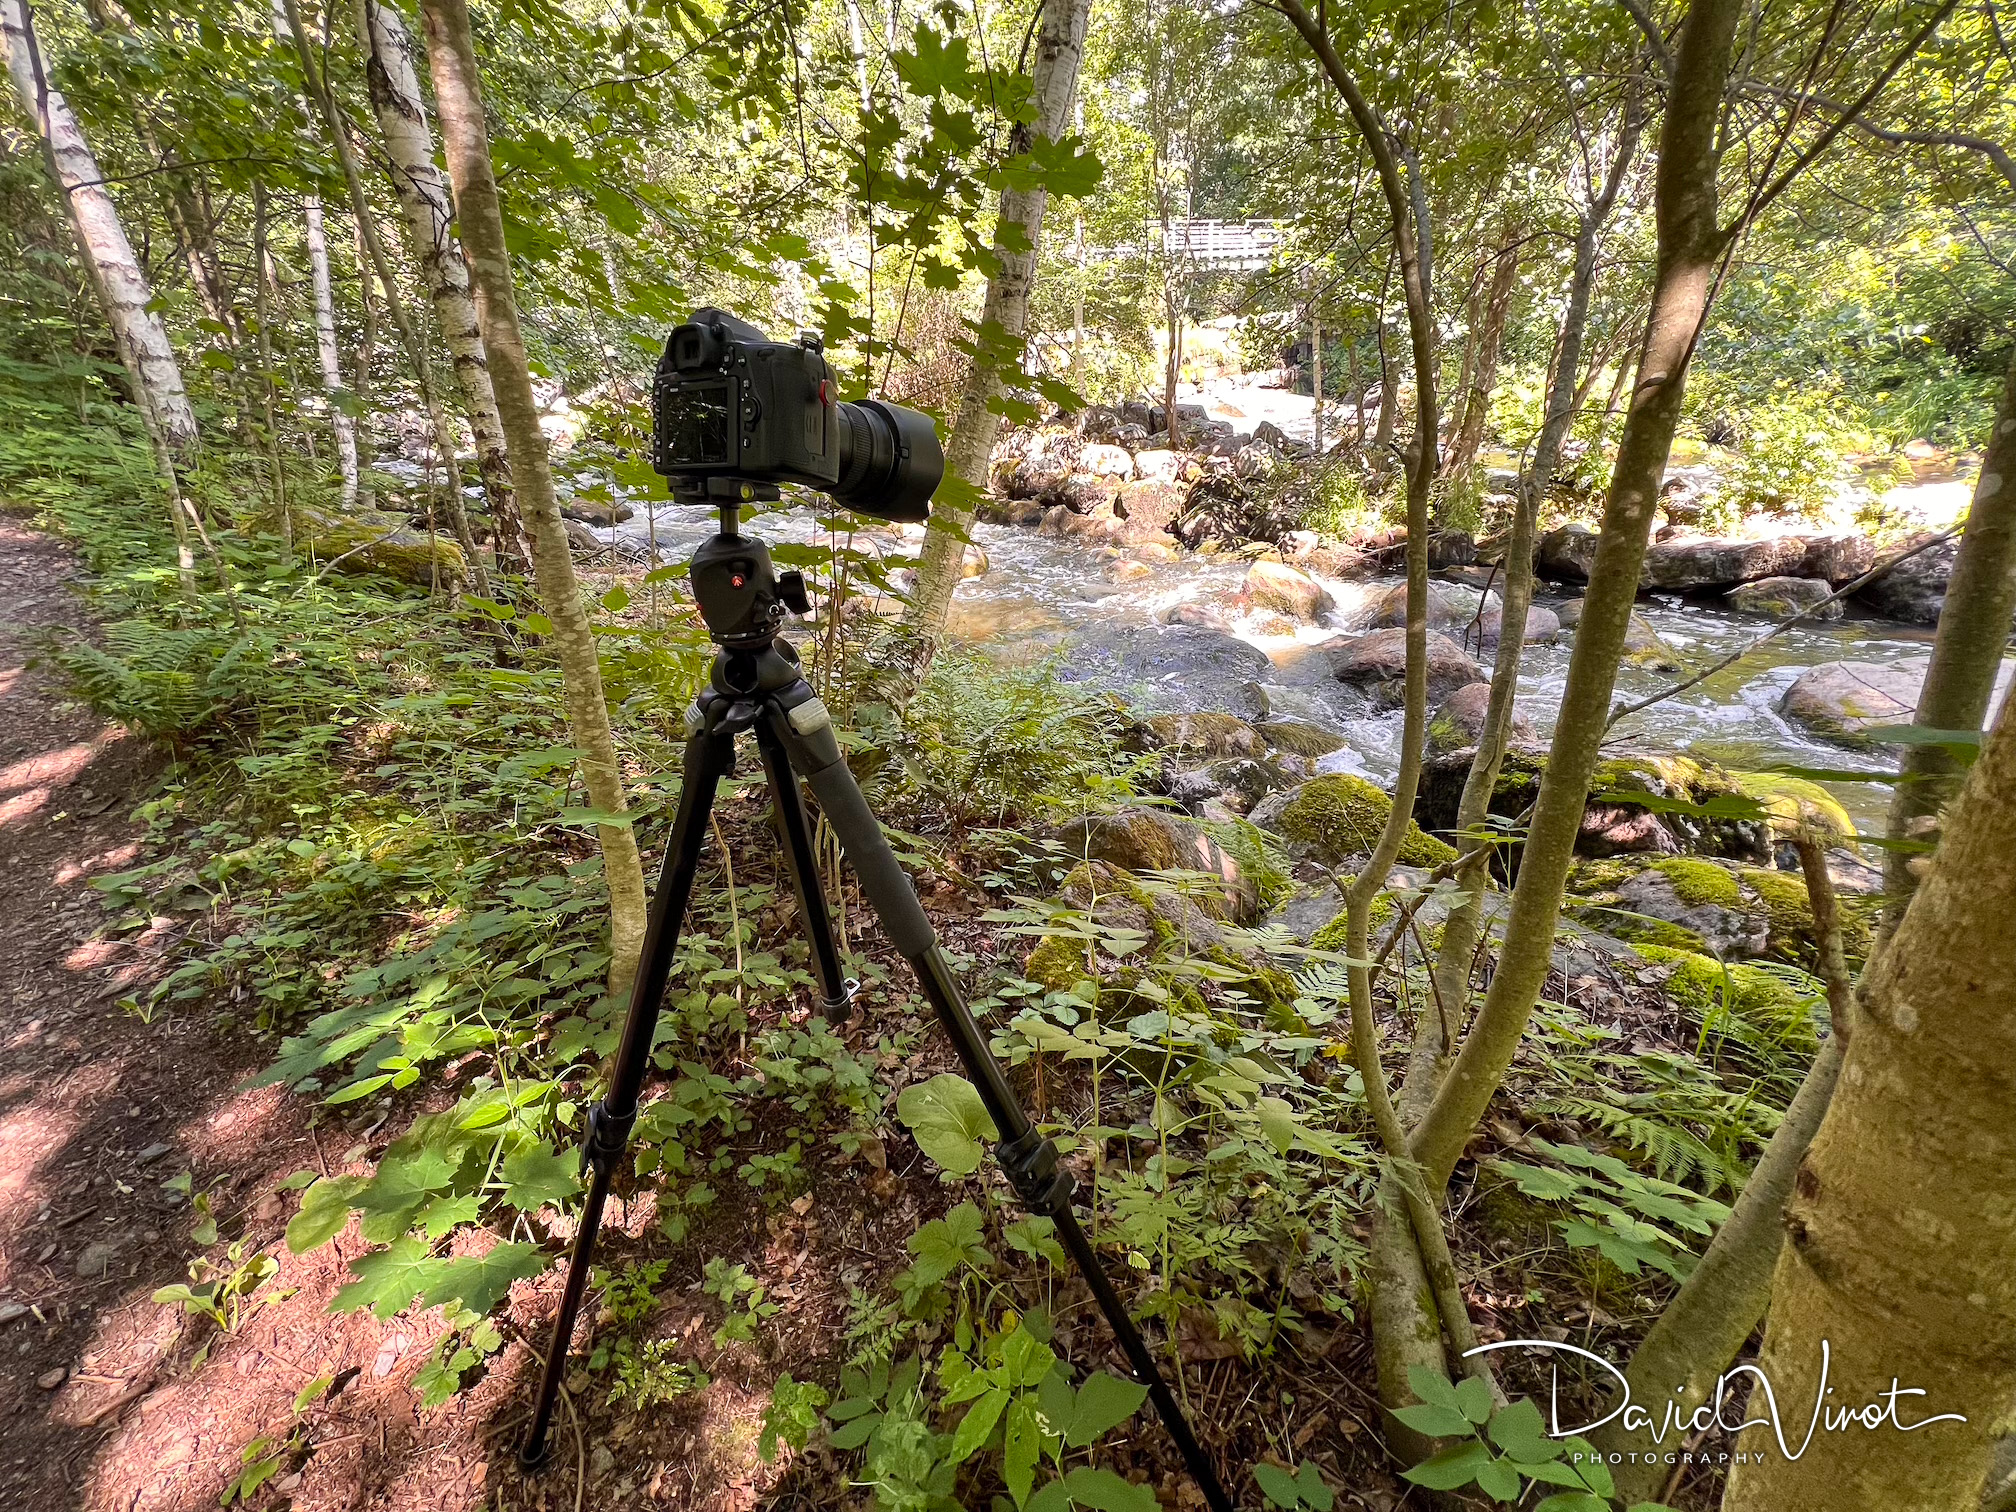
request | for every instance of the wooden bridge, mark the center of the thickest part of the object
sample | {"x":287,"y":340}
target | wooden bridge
{"x":1241,"y":246}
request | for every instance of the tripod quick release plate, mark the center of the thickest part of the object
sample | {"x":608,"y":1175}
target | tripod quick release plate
{"x":1030,"y":1164}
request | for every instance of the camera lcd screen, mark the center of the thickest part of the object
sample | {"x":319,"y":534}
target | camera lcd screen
{"x":696,"y":424}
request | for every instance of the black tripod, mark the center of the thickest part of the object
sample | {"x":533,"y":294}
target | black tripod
{"x":756,"y":685}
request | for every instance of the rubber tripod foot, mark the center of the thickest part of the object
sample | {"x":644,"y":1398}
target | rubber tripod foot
{"x":537,"y":1456}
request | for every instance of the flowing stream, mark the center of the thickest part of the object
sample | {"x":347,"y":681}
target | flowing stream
{"x":1041,"y":597}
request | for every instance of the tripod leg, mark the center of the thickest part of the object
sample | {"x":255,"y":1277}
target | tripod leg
{"x":708,"y":760}
{"x":1028,"y":1159}
{"x":804,"y":868}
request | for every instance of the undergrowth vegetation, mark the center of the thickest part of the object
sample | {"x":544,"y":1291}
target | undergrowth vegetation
{"x":373,"y":833}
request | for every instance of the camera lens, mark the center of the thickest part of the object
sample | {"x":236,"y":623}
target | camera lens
{"x":890,"y":460}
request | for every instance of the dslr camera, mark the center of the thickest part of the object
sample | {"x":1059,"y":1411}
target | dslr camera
{"x":730,"y":407}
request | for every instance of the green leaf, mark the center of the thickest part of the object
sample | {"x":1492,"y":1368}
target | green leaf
{"x":978,"y":1424}
{"x":853,"y":1435}
{"x":387,"y":1280}
{"x":947,"y":1119}
{"x":1435,"y":1422}
{"x":479,"y":1282}
{"x":1520,"y":1431}
{"x":1102,"y":1490}
{"x":1451,"y":1468}
{"x":1499,"y":1481}
{"x":1279,"y":1487}
{"x":536,"y":1175}
{"x":1473,"y":1399}
{"x":325,"y":1209}
{"x":1573,"y":1501}
{"x":1316,"y":1494}
{"x":1021,"y":1443}
{"x":1433,"y":1387}
{"x":1103,"y":1403}
{"x":944,"y":1244}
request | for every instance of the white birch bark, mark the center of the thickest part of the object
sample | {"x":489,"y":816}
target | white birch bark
{"x":329,"y":359}
{"x":423,"y":197}
{"x":1060,"y":46}
{"x":107,"y":255}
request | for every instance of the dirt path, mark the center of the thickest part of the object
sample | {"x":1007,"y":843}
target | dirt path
{"x":100,"y":1404}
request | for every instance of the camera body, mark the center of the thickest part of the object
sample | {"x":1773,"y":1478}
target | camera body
{"x":731,"y":407}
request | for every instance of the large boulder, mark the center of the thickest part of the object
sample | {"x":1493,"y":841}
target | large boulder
{"x":1451,"y":606}
{"x":1644,"y":648}
{"x":1106,"y":461}
{"x":597,"y":512}
{"x":1692,"y":562}
{"x":1277,"y":586}
{"x":1230,"y":786}
{"x":1147,"y":840}
{"x":1837,"y":556}
{"x":1844,"y":700}
{"x":1543,"y":627}
{"x":1158,"y":466}
{"x":1459,"y":720}
{"x":1566,"y":553}
{"x":1914,"y":589}
{"x":1299,"y":738}
{"x":1786,"y":597}
{"x":376,"y":540}
{"x":1377,"y":662}
{"x":1205,"y":736}
{"x":1147,"y":509}
{"x":1037,"y":477}
{"x":1335,"y":817}
{"x":1171,"y":668}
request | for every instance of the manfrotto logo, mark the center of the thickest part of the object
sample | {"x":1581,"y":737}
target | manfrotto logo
{"x":1886,"y":1410}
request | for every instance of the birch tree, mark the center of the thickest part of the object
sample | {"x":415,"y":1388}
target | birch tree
{"x":328,"y":359}
{"x":451,"y":57}
{"x":401,"y":111}
{"x":1004,"y":320}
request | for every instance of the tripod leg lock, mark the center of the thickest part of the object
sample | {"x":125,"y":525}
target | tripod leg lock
{"x":607,"y":1138}
{"x":1030,"y":1163}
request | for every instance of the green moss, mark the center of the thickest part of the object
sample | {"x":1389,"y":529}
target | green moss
{"x":1796,"y":805}
{"x":1057,"y":963}
{"x":1615,"y":780}
{"x":1332,"y":935}
{"x":1341,"y":815}
{"x":1606,"y":875}
{"x":1700,"y":984}
{"x":1205,"y":735}
{"x":1790,"y":913}
{"x":1636,"y":929}
{"x":1696,"y":881}
{"x":1299,"y":739}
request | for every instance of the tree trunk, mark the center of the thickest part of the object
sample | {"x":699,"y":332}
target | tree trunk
{"x":409,"y":142}
{"x":1464,"y":926}
{"x":1316,"y":378}
{"x":1689,"y":241}
{"x":451,"y":57}
{"x":1898,"y":1229}
{"x":116,"y":276}
{"x":1469,"y":437}
{"x":328,"y":358}
{"x":1967,"y":655}
{"x":263,"y":277}
{"x":1004,"y":321}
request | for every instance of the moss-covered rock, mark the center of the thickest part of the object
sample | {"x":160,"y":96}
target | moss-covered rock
{"x":1206,"y":736}
{"x":1145,"y":840}
{"x":376,"y":540}
{"x":1299,"y":739}
{"x":1797,"y":806}
{"x":1696,"y":881}
{"x":1057,"y":963}
{"x":1340,"y":815}
{"x":1703,"y":986}
{"x":1788,"y":911}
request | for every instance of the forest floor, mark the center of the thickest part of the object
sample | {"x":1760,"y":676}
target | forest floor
{"x":121,"y":1139}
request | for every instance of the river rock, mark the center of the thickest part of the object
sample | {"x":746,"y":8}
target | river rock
{"x":1566,"y":553}
{"x":1210,"y":737}
{"x":1233,"y":784}
{"x":1458,"y":720}
{"x":1690,"y":562}
{"x":1172,"y":668}
{"x":1644,"y":648}
{"x":1036,"y":477}
{"x":1276,"y":585}
{"x":1128,"y":570}
{"x":1144,"y":839}
{"x":1299,"y":738}
{"x":1837,"y":556}
{"x":1335,"y":817}
{"x":1543,"y":627}
{"x":1158,"y":466}
{"x":1785,"y":597}
{"x":1568,"y":614}
{"x":1333,"y":560}
{"x":1147,"y":510}
{"x":1451,"y":606}
{"x":581,"y":536}
{"x":973,"y":561}
{"x":1915,"y":589}
{"x":1106,"y":461}
{"x":1715,"y":913}
{"x":1843,"y":700}
{"x":1378,"y":662}
{"x":1451,"y":548}
{"x":1194,"y":614}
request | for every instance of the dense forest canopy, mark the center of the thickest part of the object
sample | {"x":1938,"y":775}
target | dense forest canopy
{"x":1446,"y":718}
